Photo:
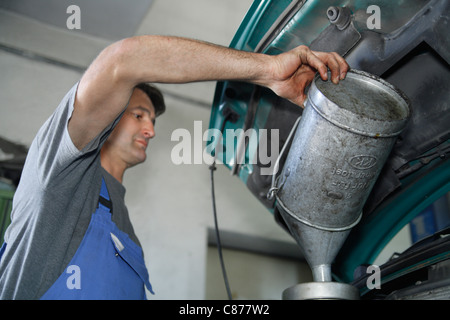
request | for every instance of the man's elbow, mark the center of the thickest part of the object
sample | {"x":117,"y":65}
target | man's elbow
{"x":117,"y":60}
{"x":120,"y":56}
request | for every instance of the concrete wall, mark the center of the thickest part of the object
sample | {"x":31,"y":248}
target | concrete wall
{"x":169,"y":205}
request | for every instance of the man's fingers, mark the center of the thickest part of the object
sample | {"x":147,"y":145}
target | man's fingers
{"x":305,"y":77}
{"x":343,"y":65}
{"x":309,"y":58}
{"x":335,"y":63}
{"x":292,"y":75}
{"x":319,"y":65}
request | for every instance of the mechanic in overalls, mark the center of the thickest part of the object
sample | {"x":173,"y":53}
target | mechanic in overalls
{"x":71,"y":236}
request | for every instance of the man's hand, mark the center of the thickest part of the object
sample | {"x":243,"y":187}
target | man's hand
{"x":294,"y":70}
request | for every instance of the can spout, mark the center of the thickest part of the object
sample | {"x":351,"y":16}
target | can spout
{"x":319,"y":247}
{"x":322,"y":273}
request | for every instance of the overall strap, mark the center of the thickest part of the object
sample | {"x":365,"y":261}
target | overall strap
{"x":103,"y":199}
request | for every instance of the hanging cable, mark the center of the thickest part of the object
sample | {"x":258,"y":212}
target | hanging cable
{"x":213,"y":168}
{"x":231,"y":116}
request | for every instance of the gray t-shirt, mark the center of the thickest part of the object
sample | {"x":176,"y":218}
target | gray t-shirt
{"x":52,"y":207}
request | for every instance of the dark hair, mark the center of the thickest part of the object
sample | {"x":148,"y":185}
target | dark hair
{"x":155,"y":96}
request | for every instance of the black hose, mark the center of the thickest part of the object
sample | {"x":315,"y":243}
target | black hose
{"x":213,"y":168}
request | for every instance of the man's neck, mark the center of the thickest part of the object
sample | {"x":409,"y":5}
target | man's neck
{"x":114,"y":168}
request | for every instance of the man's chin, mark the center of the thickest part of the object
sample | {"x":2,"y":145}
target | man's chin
{"x":142,"y":159}
{"x":138,"y":159}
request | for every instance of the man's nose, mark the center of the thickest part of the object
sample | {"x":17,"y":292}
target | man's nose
{"x":148,"y":130}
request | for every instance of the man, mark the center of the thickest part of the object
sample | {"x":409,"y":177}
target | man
{"x":70,"y":236}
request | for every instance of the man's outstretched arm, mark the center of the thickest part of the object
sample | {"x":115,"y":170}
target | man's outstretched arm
{"x":106,"y":86}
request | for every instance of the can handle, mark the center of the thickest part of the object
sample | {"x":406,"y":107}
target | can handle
{"x":274,"y":189}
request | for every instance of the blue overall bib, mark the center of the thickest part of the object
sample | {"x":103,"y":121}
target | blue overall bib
{"x":107,"y":264}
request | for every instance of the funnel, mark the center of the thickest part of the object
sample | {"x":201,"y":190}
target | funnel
{"x":339,"y":148}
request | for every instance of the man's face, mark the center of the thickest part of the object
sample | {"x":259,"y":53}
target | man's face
{"x":130,"y":137}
